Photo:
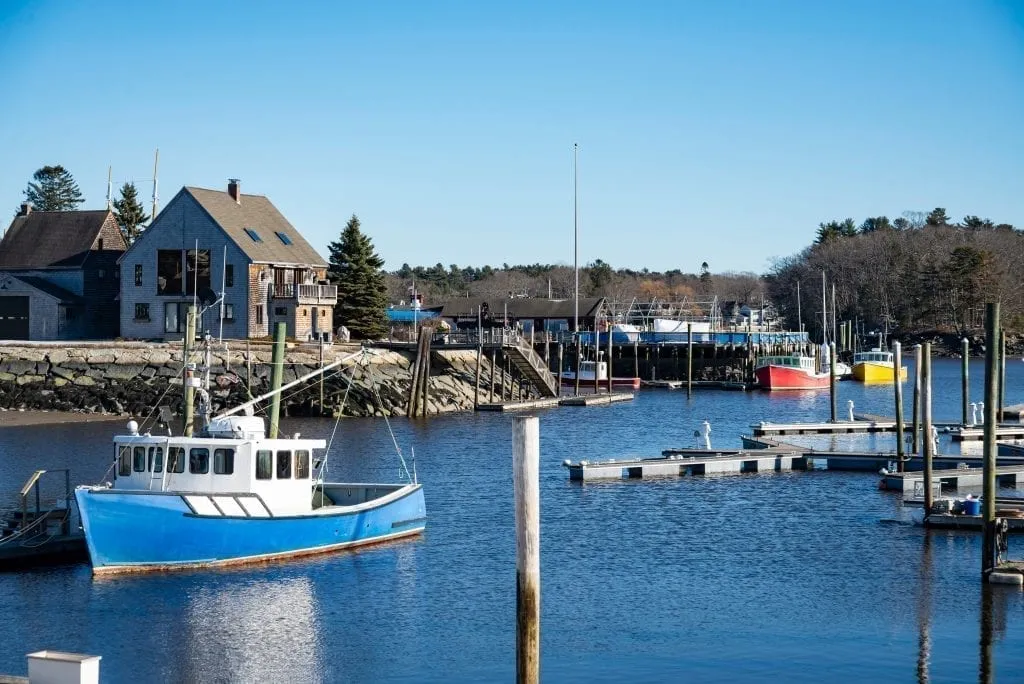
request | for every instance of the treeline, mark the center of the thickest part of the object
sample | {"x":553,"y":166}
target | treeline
{"x":922,"y":271}
{"x":597,"y":279}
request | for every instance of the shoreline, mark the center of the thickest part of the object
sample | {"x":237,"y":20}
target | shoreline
{"x":24,"y":418}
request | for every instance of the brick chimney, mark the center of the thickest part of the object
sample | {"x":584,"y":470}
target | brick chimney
{"x":26,"y":209}
{"x":234,"y":186}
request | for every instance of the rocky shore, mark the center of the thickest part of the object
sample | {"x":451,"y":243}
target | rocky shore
{"x":134,"y":378}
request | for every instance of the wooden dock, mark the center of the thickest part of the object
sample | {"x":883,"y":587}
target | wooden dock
{"x":976,"y":434}
{"x":596,"y":399}
{"x":551,"y":402}
{"x":953,"y":479}
{"x":838,"y":428}
{"x":696,"y":463}
{"x":972,"y":523}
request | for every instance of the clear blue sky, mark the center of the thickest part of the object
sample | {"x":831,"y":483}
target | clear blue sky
{"x":708,"y":131}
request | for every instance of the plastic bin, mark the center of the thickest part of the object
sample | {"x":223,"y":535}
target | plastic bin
{"x":972,"y":506}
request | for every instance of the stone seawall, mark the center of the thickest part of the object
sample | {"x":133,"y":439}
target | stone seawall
{"x":134,"y":378}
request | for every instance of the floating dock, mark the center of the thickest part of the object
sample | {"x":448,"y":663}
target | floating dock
{"x":696,"y":463}
{"x":960,"y":478}
{"x":976,"y":434}
{"x":550,"y":402}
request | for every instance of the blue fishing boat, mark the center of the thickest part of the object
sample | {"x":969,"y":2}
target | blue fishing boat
{"x":230,"y":495}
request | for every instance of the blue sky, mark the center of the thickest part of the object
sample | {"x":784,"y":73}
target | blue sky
{"x":708,"y":131}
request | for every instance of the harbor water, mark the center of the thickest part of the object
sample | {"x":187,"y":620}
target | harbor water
{"x":793,"y":577}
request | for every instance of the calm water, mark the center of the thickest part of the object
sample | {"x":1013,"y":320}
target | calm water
{"x":753,"y":578}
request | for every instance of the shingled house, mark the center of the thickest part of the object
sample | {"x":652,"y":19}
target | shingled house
{"x":58,"y":275}
{"x":208,"y":242}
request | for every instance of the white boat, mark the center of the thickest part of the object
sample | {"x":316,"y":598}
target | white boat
{"x":230,"y":494}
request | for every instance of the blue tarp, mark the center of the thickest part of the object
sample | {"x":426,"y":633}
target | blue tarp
{"x":407,"y":315}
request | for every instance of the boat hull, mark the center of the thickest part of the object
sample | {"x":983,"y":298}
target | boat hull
{"x":787,"y":378}
{"x":866,"y":371}
{"x":129,"y":531}
{"x":569,"y":379}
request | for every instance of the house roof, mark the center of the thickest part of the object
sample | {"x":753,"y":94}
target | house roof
{"x":49,"y":288}
{"x":523,"y":307}
{"x":258,"y":214}
{"x":51,"y":239}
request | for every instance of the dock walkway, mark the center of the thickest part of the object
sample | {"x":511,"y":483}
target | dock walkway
{"x":551,"y":402}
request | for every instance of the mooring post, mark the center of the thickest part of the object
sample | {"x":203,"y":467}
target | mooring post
{"x":494,"y":362}
{"x":988,"y":494}
{"x":321,"y":406}
{"x":636,"y":358}
{"x":611,"y":369}
{"x":926,"y":411}
{"x":579,"y":355}
{"x":526,"y":485}
{"x":965,"y":392}
{"x":190,"y":390}
{"x":916,"y":427}
{"x":832,"y":377}
{"x":1002,"y":375}
{"x":689,"y":360}
{"x":479,"y":354}
{"x":276,"y":371}
{"x":597,"y":359}
{"x":898,"y":382}
{"x":558,"y":374}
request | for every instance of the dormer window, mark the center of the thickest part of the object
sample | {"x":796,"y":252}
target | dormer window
{"x":253,"y":235}
{"x":282,"y":237}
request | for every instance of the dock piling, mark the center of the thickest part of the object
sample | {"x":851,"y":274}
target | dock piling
{"x":558,"y":375}
{"x":526,"y":485}
{"x":964,"y":384}
{"x":898,"y":383}
{"x":988,"y":496}
{"x":578,"y":358}
{"x":832,"y":377}
{"x":276,"y":372}
{"x":689,"y":360}
{"x":926,"y":411}
{"x":190,"y":390}
{"x":916,"y":427}
{"x":611,"y":370}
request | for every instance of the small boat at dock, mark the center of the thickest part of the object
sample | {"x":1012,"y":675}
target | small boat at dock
{"x":587,"y":374}
{"x":876,"y":366}
{"x":789,"y":372}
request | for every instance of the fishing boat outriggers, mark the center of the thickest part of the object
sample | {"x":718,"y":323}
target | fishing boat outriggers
{"x":232,"y":495}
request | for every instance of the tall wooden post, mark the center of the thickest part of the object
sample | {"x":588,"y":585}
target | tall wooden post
{"x":494,"y":362}
{"x":611,"y":369}
{"x":276,"y":371}
{"x":579,"y":355}
{"x":321,"y":406}
{"x":689,"y":360}
{"x":926,"y":423}
{"x":190,"y":390}
{"x":248,"y":368}
{"x":597,"y":357}
{"x":526,"y":485}
{"x":988,"y":494}
{"x":636,"y":358}
{"x":479,"y":355}
{"x":832,"y":378}
{"x":898,"y":383}
{"x":915,"y":444}
{"x":558,"y":375}
{"x":1002,"y":375}
{"x":965,"y":391}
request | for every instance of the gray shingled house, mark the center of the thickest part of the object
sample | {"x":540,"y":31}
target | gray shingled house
{"x":208,"y":242}
{"x":58,"y":275}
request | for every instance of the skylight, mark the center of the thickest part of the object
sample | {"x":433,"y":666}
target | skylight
{"x":253,"y":234}
{"x":283,"y":238}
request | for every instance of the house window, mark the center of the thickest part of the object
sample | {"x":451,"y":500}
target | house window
{"x":124,"y":461}
{"x":283,"y":238}
{"x":156,"y":459}
{"x":172,"y":321}
{"x":223,"y":461}
{"x":175,"y":459}
{"x":228,"y":312}
{"x":168,"y":272}
{"x":138,"y":275}
{"x":198,"y":275}
{"x":264,"y":465}
{"x":139,"y":460}
{"x":199,"y":461}
{"x":280,"y":311}
{"x":142,"y":312}
{"x":301,"y":465}
{"x":253,"y":235}
{"x":284,"y":465}
{"x":229,"y":275}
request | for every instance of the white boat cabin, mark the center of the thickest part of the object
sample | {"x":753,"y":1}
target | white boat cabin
{"x":876,"y":356}
{"x":587,"y":370}
{"x":805,"y":363}
{"x":231,"y":457}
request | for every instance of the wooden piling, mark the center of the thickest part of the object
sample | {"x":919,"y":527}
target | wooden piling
{"x":926,"y":423}
{"x":276,"y":372}
{"x":832,"y":378}
{"x":1002,"y":374}
{"x":526,"y":486}
{"x":597,"y":358}
{"x":689,"y":360}
{"x":579,"y":355}
{"x":636,"y":358}
{"x":965,"y":392}
{"x":558,"y":375}
{"x":476,"y":388}
{"x":611,"y":365}
{"x":898,"y":384}
{"x":494,"y":362}
{"x":988,"y":495}
{"x":916,"y":426}
{"x":190,"y":391}
{"x":248,"y":368}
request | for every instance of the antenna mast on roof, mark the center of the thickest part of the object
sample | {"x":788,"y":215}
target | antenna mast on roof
{"x":156,"y":161}
{"x":110,"y":187}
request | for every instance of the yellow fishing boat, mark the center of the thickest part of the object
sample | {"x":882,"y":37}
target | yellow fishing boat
{"x":876,"y":366}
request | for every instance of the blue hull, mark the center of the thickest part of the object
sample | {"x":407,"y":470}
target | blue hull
{"x":128,"y":531}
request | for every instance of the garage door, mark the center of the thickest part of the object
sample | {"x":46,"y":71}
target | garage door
{"x":13,"y":318}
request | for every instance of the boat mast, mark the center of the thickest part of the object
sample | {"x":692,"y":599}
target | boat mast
{"x":835,"y":337}
{"x":824,"y":312}
{"x":575,"y":239}
{"x":799,"y":312}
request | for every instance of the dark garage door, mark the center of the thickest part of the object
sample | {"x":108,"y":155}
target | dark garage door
{"x":13,"y":318}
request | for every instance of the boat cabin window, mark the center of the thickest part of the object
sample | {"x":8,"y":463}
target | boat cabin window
{"x":139,"y":460}
{"x":264,"y":465}
{"x":284,"y":465}
{"x":124,"y":461}
{"x":156,"y":459}
{"x":301,"y":465}
{"x":199,"y":461}
{"x":175,"y":459}
{"x":223,"y":461}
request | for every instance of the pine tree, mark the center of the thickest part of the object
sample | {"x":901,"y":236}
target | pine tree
{"x":362,"y":292}
{"x":129,"y":213}
{"x":53,"y":190}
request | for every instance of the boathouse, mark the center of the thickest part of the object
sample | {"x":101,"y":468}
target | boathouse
{"x":535,"y":316}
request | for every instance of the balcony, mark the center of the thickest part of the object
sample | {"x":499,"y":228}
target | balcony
{"x":306,"y":294}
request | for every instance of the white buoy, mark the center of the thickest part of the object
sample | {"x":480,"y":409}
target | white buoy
{"x":849,"y":405}
{"x":133,"y":427}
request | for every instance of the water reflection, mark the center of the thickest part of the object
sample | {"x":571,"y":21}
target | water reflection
{"x":925,"y":578}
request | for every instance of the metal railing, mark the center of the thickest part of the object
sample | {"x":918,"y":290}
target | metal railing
{"x":304,"y":291}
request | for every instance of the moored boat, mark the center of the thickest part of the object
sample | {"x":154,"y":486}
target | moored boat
{"x":789,"y":372}
{"x":876,"y":366}
{"x":587,"y":371}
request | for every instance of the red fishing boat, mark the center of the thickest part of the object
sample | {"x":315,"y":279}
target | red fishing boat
{"x":791,"y":372}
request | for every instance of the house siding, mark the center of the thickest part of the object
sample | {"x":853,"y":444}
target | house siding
{"x":102,"y":310}
{"x":43,"y":311}
{"x":178,"y":227}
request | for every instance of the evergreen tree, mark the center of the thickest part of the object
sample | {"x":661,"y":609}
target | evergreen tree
{"x":53,"y":189}
{"x":129,"y":213}
{"x":362,"y":292}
